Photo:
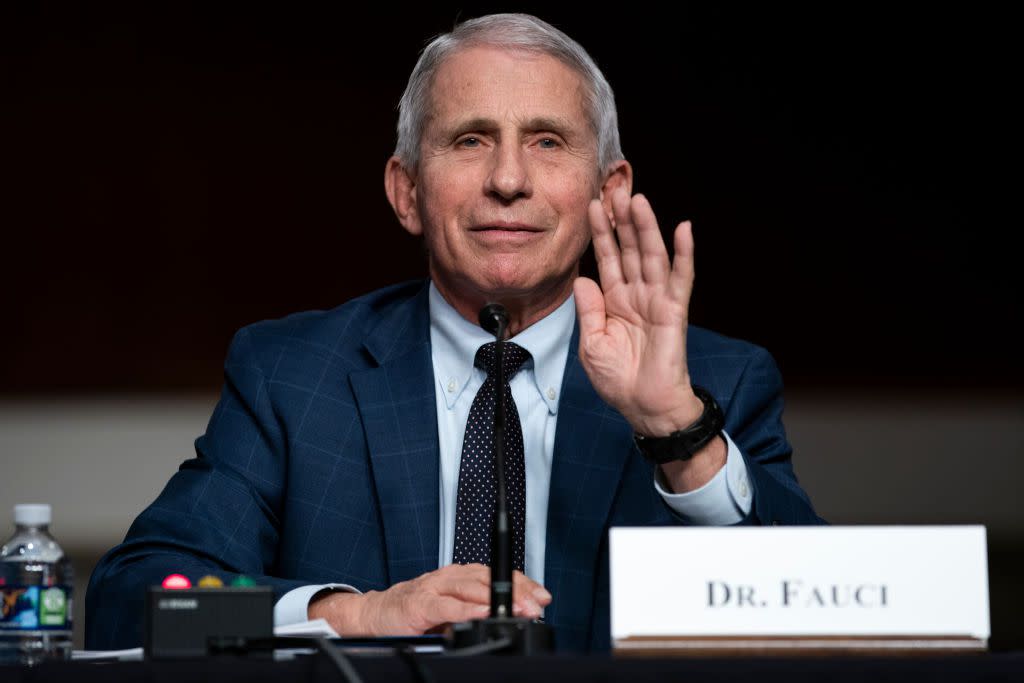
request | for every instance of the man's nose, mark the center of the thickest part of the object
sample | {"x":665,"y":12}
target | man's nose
{"x":510,"y":173}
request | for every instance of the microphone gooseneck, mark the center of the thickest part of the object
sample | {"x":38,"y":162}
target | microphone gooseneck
{"x":494,"y":319}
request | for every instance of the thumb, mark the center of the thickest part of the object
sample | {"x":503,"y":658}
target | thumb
{"x":589,"y":307}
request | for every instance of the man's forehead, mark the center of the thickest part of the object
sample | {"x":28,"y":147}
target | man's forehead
{"x":479,"y":82}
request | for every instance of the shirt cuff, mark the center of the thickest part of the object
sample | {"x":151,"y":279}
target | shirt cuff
{"x":293,"y":606}
{"x":726,"y":499}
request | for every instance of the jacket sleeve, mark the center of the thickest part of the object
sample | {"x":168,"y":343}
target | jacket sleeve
{"x":754,"y":421}
{"x":219,"y":514}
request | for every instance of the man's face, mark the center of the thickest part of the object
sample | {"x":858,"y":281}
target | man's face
{"x":508,"y":166}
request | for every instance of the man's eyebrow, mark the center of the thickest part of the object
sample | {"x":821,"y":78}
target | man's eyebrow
{"x":477,"y":124}
{"x":555,"y":124}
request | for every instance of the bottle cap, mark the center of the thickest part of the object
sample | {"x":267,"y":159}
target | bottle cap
{"x":32,"y":514}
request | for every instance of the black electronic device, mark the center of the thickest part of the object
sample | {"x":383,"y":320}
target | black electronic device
{"x":180,"y":623}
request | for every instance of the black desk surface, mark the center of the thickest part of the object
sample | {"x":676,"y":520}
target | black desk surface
{"x":558,"y":668}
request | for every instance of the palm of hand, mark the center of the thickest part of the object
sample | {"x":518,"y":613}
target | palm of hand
{"x":633,"y":327}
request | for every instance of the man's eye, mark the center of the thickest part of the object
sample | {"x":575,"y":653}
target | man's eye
{"x":469,"y":142}
{"x":548,"y":143}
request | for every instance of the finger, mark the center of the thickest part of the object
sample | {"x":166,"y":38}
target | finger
{"x":606,"y":251}
{"x":524,"y":585}
{"x":444,"y":609}
{"x":589,"y":307}
{"x":629,"y":246}
{"x":448,"y":578}
{"x":474,"y":571}
{"x":466,"y":585}
{"x":653,"y":255}
{"x":528,"y":596}
{"x":465,"y":588}
{"x":526,"y":608}
{"x":681,"y":277}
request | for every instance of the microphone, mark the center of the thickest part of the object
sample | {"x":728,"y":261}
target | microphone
{"x":501,"y":632}
{"x":494,"y":319}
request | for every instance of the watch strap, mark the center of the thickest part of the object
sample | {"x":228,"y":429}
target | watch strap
{"x":685,"y":443}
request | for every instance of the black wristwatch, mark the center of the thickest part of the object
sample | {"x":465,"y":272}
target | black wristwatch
{"x":685,"y":443}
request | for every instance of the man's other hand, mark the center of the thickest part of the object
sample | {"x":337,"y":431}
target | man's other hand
{"x":425,"y":604}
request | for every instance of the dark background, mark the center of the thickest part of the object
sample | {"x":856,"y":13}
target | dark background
{"x":172,"y":172}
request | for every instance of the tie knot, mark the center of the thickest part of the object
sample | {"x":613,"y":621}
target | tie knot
{"x":515,"y":356}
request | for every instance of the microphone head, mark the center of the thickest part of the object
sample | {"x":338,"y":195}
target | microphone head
{"x":493,"y":318}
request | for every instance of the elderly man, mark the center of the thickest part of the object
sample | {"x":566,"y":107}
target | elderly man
{"x":348,"y":463}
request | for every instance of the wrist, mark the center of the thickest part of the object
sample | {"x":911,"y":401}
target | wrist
{"x":682,"y":414}
{"x":683,"y":476}
{"x":342,"y":610}
{"x":684,"y":443}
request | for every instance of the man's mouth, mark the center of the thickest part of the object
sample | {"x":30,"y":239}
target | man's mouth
{"x":501,"y":226}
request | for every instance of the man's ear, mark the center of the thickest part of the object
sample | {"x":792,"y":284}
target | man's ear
{"x":618,"y":174}
{"x":400,"y":186}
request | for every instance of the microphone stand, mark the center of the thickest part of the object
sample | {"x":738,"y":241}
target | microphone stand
{"x":501,"y":632}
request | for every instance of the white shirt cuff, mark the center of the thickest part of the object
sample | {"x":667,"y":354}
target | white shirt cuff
{"x":726,"y":499}
{"x":293,"y":606}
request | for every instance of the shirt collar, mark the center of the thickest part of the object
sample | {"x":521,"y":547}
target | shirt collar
{"x":454,"y":343}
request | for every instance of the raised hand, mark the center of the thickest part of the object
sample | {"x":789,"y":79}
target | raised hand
{"x":633,"y":326}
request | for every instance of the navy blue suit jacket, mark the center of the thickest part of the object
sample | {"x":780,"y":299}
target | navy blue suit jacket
{"x":320,"y":464}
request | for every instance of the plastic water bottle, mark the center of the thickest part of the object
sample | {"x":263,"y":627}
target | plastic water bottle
{"x":35,"y":582}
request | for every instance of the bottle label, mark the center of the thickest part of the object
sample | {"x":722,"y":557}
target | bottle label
{"x":53,"y":607}
{"x":27,"y":608}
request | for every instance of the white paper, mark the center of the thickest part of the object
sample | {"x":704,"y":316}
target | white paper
{"x":316,"y":627}
{"x":133,"y":654}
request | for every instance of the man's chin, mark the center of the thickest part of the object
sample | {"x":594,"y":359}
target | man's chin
{"x":525,"y":292}
{"x":512,"y":288}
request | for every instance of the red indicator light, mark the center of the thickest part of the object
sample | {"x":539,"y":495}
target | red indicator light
{"x":177,"y":581}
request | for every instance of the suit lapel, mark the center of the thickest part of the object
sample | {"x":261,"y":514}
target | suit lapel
{"x":592,"y":443}
{"x":396,"y":400}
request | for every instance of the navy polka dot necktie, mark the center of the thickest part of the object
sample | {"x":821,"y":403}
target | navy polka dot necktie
{"x":474,"y":509}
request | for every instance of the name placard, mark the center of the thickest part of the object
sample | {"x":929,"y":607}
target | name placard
{"x":885,"y":586}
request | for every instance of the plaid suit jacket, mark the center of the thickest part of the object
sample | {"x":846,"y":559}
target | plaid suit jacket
{"x":320,"y":464}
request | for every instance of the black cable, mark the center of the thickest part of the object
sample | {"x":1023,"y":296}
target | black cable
{"x":240,"y":645}
{"x":481,"y":649}
{"x":341,"y":663}
{"x":419,"y":672}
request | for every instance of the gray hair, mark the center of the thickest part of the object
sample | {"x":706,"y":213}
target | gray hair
{"x":521,"y":32}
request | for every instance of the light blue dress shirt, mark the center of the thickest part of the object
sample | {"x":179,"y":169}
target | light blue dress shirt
{"x":454,"y":341}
